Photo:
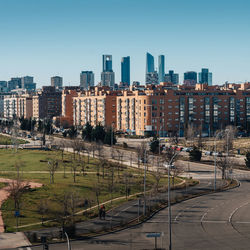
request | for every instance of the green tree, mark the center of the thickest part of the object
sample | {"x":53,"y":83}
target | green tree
{"x":87,"y":132}
{"x":72,"y":132}
{"x":109,"y":137}
{"x":98,"y":133}
{"x":247,"y":160}
{"x":154,"y":145}
{"x":195,"y":154}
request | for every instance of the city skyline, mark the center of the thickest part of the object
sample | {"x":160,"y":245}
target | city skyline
{"x":60,"y":40}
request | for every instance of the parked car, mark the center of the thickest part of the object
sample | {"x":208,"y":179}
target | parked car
{"x":208,"y":153}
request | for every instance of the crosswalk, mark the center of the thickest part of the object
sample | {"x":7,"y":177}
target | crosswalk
{"x":24,"y":248}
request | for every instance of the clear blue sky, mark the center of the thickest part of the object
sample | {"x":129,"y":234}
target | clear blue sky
{"x":43,"y":38}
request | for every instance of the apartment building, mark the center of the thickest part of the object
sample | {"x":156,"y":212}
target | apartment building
{"x":47,"y":103}
{"x":97,"y":105}
{"x":165,"y":110}
{"x":68,"y":93}
{"x":17,"y":106}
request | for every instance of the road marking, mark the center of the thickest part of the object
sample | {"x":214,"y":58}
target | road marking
{"x":235,"y":210}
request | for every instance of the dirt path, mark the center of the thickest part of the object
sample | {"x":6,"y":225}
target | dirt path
{"x":4,"y":195}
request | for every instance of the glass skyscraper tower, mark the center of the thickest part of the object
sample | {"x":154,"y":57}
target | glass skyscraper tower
{"x":107,"y":75}
{"x":205,"y":77}
{"x":107,"y":63}
{"x":150,"y":66}
{"x":125,"y":70}
{"x":161,"y":68}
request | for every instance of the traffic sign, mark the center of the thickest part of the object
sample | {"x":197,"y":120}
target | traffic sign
{"x":153,"y":235}
{"x":17,"y":213}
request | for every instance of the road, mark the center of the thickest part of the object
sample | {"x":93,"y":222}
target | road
{"x":215,"y":221}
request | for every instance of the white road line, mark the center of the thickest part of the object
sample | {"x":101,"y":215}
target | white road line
{"x":235,"y":210}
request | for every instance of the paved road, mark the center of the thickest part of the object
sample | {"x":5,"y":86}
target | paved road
{"x":216,"y":221}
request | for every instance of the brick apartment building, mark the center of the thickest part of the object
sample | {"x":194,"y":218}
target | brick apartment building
{"x":97,"y":105}
{"x":47,"y":103}
{"x":161,"y":109}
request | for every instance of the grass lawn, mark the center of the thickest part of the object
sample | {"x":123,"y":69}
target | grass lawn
{"x":86,"y":185}
{"x":6,"y":140}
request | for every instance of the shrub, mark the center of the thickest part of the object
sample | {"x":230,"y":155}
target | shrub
{"x":247,"y":160}
{"x":195,"y":154}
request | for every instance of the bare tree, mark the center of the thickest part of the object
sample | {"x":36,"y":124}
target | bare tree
{"x":43,"y":208}
{"x":224,"y":164}
{"x":52,"y":166}
{"x":140,"y":151}
{"x":74,"y":169}
{"x":120,"y":156}
{"x":78,"y":146}
{"x":170,"y":156}
{"x":176,"y":171}
{"x":16,"y":189}
{"x":157,"y":176}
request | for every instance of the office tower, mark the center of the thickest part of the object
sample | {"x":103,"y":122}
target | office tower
{"x":108,"y":79}
{"x":107,"y":75}
{"x":27,"y":83}
{"x":150,"y":67}
{"x":86,"y":79}
{"x":190,"y":78}
{"x":152,"y":78}
{"x":57,"y":82}
{"x":107,"y":63}
{"x":205,"y":77}
{"x":14,"y":83}
{"x":3,"y":86}
{"x":172,"y":77}
{"x":161,"y":68}
{"x":125,"y":70}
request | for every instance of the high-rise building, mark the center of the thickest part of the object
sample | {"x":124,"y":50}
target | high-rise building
{"x":125,"y":70}
{"x":86,"y":79}
{"x":150,"y":66}
{"x":27,"y":82}
{"x":161,"y":68}
{"x":205,"y":77}
{"x":14,"y":83}
{"x":152,"y":78}
{"x":107,"y":63}
{"x":107,"y":75}
{"x":57,"y":82}
{"x":190,"y":78}
{"x":172,"y":77}
{"x":3,"y":86}
{"x":108,"y":79}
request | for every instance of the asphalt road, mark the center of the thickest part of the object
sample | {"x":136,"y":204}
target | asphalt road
{"x":216,"y":221}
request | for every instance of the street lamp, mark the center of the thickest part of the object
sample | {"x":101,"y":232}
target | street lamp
{"x":168,"y":166}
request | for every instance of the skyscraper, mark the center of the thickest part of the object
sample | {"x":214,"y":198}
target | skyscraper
{"x":161,"y":68}
{"x":107,"y":75}
{"x":57,"y":82}
{"x":190,"y":78}
{"x":125,"y":70}
{"x":14,"y":83}
{"x":86,"y":79}
{"x":172,"y":77}
{"x":150,"y":68}
{"x":205,"y":77}
{"x":107,"y":63}
{"x":28,"y":83}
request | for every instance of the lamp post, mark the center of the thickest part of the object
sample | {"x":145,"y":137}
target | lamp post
{"x":168,"y":166}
